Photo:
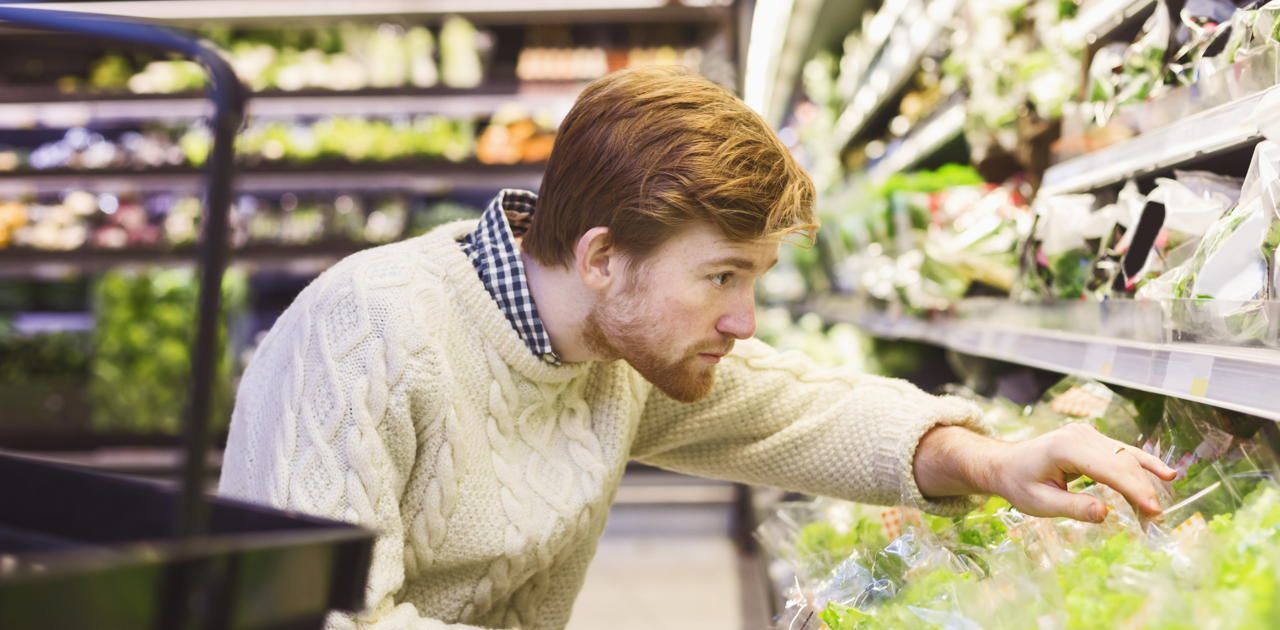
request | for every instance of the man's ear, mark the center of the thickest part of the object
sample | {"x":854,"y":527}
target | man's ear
{"x":595,"y":258}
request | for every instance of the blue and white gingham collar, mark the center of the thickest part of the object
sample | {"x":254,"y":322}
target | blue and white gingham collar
{"x":493,"y":252}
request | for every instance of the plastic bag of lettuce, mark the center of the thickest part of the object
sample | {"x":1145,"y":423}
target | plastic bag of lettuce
{"x":1224,"y":289}
{"x":140,"y":371}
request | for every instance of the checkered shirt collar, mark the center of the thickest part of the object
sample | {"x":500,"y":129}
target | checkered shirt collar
{"x":493,"y":252}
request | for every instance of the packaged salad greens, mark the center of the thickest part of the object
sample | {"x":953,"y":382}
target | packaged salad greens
{"x":1223,"y":291}
{"x":1209,"y":559}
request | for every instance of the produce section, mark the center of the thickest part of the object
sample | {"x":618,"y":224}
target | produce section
{"x":1066,"y":188}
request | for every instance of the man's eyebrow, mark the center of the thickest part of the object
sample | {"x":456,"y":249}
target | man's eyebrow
{"x":739,"y":262}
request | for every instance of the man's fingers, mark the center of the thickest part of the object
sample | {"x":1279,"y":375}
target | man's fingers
{"x":1152,"y":463}
{"x":1050,"y":501}
{"x":1100,"y":461}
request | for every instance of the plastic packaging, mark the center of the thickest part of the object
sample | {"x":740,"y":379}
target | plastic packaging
{"x":1234,"y":266}
{"x":997,"y":569}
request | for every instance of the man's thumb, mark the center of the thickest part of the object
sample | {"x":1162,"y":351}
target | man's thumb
{"x":1082,"y":507}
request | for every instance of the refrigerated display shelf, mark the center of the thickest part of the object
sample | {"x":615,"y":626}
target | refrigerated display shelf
{"x":895,"y":65}
{"x":1222,"y":129}
{"x":1099,"y":19}
{"x":37,"y":108}
{"x":422,"y":176}
{"x":37,"y":263}
{"x":1237,"y":378}
{"x":923,"y":141}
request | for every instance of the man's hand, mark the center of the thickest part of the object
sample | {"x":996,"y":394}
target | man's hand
{"x":1033,"y":475}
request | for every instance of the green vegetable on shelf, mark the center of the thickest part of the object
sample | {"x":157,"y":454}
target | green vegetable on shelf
{"x":460,"y":53}
{"x":141,"y":363}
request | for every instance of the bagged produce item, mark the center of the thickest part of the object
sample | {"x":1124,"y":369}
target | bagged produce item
{"x":1075,"y":399}
{"x":1252,"y":30}
{"x":1201,"y":23}
{"x":1192,"y":201}
{"x":1120,"y":74}
{"x":1105,"y":66}
{"x":1058,"y":260}
{"x":996,"y":568}
{"x":977,"y":236}
{"x":1223,"y":292}
{"x":1142,"y":73}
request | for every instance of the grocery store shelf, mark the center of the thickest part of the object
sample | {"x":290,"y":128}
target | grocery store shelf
{"x":481,"y":11}
{"x":415,"y":176}
{"x":1214,"y":131}
{"x":1097,"y":20}
{"x":25,"y":109}
{"x":894,"y":67}
{"x":1236,"y":378}
{"x":927,"y":138}
{"x":40,"y":263}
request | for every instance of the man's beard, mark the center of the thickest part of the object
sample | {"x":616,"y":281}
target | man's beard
{"x":623,"y":329}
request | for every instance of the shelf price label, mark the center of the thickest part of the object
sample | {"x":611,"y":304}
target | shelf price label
{"x":1099,"y":359}
{"x":1187,"y":373}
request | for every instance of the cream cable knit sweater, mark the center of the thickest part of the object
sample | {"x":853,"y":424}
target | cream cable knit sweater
{"x":393,"y":393}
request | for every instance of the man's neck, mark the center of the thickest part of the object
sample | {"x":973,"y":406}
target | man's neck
{"x":562,"y":305}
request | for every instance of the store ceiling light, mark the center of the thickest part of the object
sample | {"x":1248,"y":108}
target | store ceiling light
{"x":223,"y":9}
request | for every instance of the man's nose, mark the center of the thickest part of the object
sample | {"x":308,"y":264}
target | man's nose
{"x":740,"y":324}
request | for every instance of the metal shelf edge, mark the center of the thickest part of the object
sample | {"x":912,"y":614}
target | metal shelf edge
{"x":1148,"y":152}
{"x":60,"y":113}
{"x":1195,"y":372}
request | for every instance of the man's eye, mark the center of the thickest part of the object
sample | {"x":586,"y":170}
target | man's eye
{"x":721,"y":278}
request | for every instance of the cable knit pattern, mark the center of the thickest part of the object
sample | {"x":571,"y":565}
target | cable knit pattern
{"x":394,"y":393}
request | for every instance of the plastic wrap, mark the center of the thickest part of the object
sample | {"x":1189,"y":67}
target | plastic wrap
{"x":1075,"y":399}
{"x":1234,"y":265}
{"x":995,"y":568}
{"x":1200,"y":24}
{"x":1193,"y":201}
{"x":1059,"y":260}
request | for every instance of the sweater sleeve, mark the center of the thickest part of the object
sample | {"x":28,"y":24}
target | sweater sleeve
{"x":320,"y":426}
{"x":777,"y":419}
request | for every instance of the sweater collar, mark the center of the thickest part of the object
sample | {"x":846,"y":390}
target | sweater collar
{"x":443,"y":244}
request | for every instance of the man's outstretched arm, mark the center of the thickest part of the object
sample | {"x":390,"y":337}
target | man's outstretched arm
{"x":1033,"y":475}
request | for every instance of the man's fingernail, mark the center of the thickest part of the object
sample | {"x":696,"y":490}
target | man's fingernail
{"x":1097,"y":513}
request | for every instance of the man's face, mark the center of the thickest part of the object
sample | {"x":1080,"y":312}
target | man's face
{"x":676,"y":314}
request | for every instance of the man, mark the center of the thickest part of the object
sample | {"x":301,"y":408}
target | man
{"x":474,"y":394}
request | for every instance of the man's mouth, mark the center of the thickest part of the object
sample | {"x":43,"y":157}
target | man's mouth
{"x":715,"y":356}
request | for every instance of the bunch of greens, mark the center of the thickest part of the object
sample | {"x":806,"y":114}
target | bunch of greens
{"x":140,"y":372}
{"x":343,"y":138}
